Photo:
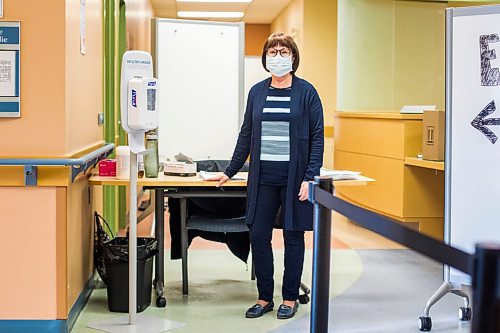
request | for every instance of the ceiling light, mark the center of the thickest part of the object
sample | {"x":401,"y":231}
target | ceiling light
{"x":184,"y":14}
{"x":214,"y":1}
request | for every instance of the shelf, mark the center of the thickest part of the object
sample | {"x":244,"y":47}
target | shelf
{"x":378,"y":115}
{"x":418,"y":162}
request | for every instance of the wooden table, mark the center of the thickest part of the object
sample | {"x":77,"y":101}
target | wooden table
{"x":175,"y":181}
{"x":184,"y":188}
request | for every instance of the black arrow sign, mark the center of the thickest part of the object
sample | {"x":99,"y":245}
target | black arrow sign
{"x":480,"y":123}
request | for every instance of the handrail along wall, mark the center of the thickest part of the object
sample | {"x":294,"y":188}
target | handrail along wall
{"x":78,"y":165}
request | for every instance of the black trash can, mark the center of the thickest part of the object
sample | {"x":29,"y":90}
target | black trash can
{"x":116,"y":263}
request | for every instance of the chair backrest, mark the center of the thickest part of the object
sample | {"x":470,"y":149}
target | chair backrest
{"x":225,"y":207}
{"x":216,"y":165}
{"x":220,"y":207}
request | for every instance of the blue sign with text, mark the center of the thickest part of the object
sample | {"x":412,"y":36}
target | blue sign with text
{"x":9,"y":35}
{"x":10,"y":61}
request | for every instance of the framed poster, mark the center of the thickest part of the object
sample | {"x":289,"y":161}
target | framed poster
{"x":10,"y":85}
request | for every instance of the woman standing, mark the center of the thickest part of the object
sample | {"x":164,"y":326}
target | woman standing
{"x":282,"y":132}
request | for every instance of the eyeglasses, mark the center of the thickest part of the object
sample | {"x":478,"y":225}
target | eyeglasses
{"x":284,"y":52}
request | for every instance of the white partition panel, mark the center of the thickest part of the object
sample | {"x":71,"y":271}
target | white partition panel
{"x":200,"y":72}
{"x":254,"y":72}
{"x":473,"y":127}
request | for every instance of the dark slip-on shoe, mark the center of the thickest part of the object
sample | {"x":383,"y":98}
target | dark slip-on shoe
{"x":258,"y":310}
{"x":286,"y":312}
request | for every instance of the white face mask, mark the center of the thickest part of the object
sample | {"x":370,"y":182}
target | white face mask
{"x":278,"y":65}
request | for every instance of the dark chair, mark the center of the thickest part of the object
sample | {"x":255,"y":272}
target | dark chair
{"x":223,"y":214}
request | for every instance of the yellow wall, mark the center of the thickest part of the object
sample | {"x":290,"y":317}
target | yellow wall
{"x":61,"y":96}
{"x":366,"y":55}
{"x":139,"y":14}
{"x":28,"y":284}
{"x":55,"y":102}
{"x":84,"y":77}
{"x":42,"y":81}
{"x":313,"y":24}
{"x":291,"y":21}
{"x":255,"y":37}
{"x":79,"y":238}
{"x":392,"y":53}
{"x":320,"y":51}
{"x":419,"y":55}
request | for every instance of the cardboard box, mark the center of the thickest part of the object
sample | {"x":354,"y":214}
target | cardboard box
{"x":433,"y":135}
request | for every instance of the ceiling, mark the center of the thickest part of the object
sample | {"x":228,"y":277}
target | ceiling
{"x":258,"y":11}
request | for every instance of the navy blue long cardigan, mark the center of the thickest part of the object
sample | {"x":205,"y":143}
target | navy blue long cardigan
{"x":306,"y":149}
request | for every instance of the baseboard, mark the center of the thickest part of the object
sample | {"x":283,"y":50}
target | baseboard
{"x":81,"y":301}
{"x":30,"y":326}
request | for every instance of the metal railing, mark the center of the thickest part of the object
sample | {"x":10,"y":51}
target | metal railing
{"x":78,"y":165}
{"x":483,"y":266}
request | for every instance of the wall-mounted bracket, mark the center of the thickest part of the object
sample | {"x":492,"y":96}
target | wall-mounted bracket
{"x":30,"y":175}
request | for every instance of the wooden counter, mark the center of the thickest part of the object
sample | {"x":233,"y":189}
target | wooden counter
{"x":378,"y":144}
{"x":418,"y":162}
{"x":379,"y":115}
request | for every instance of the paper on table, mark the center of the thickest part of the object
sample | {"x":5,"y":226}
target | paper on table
{"x":207,"y":175}
{"x":7,"y":73}
{"x":340,"y":174}
{"x":415,"y":109}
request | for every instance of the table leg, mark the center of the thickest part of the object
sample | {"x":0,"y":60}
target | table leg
{"x":160,"y":257}
{"x":184,"y":241}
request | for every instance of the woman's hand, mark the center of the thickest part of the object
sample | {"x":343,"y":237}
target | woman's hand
{"x":222,"y":178}
{"x":304,"y":191}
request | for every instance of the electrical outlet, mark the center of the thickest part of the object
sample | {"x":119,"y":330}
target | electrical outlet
{"x":100,"y":118}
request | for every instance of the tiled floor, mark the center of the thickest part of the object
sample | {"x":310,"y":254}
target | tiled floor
{"x":221,"y":289}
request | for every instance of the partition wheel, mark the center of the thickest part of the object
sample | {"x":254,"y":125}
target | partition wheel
{"x":161,"y":302}
{"x":425,"y":324}
{"x":464,"y":314}
{"x":304,"y":299}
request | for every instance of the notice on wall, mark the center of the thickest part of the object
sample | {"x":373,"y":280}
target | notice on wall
{"x":10,"y":69}
{"x":8,"y":73}
{"x":1,"y":8}
{"x":83,"y":49}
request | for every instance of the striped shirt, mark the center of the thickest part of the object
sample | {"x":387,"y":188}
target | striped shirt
{"x":275,"y":140}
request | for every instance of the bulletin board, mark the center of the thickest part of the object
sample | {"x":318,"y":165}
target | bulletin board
{"x":472,"y":168}
{"x":10,"y":73}
{"x":200,"y":70}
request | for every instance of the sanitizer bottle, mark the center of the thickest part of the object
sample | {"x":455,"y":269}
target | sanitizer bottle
{"x":122,"y":162}
{"x":151,"y":163}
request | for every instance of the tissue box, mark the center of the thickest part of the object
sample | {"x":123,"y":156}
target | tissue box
{"x":179,"y":169}
{"x":107,"y":167}
{"x":433,"y":135}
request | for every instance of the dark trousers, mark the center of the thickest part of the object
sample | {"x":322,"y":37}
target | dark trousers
{"x":269,"y":200}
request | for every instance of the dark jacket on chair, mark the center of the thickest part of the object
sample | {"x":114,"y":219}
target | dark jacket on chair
{"x":306,"y":148}
{"x":221,"y":207}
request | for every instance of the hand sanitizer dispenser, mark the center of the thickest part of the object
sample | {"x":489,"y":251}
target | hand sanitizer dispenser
{"x":139,"y":98}
{"x":142,"y":103}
